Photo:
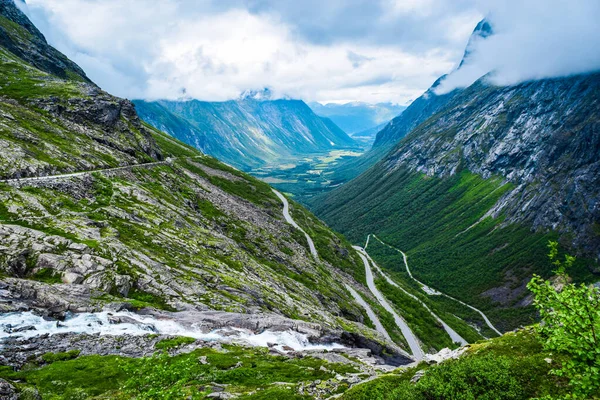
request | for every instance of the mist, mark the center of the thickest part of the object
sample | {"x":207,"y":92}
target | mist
{"x":533,"y":40}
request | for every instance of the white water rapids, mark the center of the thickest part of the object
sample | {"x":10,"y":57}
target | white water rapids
{"x":19,"y":325}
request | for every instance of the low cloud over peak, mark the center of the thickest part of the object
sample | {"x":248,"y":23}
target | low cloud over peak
{"x":532,"y":40}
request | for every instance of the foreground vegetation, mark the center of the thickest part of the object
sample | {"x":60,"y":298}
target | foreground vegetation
{"x":557,"y":359}
{"x":249,"y":372}
{"x":513,"y":366}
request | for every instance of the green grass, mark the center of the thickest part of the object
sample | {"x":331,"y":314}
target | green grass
{"x":389,"y":323}
{"x":436,"y":221}
{"x":451,"y":312}
{"x":168,"y":344}
{"x":21,"y":82}
{"x":244,"y":369}
{"x":47,"y":275}
{"x":148,"y":299}
{"x":513,"y":366}
{"x":420,"y":321}
{"x":331,"y":246}
{"x":171,"y":147}
{"x":64,"y":356}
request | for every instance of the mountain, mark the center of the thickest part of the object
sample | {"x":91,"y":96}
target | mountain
{"x":19,"y":36}
{"x":110,"y":225}
{"x":368,"y":136}
{"x":249,"y":132}
{"x":417,"y":112}
{"x":355,"y":117}
{"x":474,"y":192}
{"x":129,"y":253}
{"x":134,"y":266}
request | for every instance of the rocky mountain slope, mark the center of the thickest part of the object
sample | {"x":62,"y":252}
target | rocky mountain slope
{"x":19,"y":36}
{"x":249,"y":132}
{"x":474,"y":192}
{"x":98,"y":209}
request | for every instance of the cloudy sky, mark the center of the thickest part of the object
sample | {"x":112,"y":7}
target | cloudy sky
{"x":317,"y":50}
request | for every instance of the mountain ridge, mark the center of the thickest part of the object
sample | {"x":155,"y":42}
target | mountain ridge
{"x":417,"y":112}
{"x":247,"y":133}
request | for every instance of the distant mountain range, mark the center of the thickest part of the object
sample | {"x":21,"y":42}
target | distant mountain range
{"x":249,"y":132}
{"x":356,"y":117}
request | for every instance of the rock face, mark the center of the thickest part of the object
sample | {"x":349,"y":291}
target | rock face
{"x":7,"y":391}
{"x":542,"y":136}
{"x":248,"y":132}
{"x":477,"y":184}
{"x":52,"y":118}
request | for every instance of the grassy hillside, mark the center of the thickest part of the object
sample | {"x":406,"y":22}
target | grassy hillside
{"x":247,"y":133}
{"x":170,"y":228}
{"x":452,"y":245}
{"x":246,"y":372}
{"x":513,"y":366}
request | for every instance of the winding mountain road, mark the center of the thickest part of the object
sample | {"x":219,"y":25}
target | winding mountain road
{"x":411,"y":339}
{"x":290,"y":220}
{"x":169,"y":160}
{"x":456,"y":338}
{"x":370,"y":313}
{"x":429,"y":290}
{"x":413,"y":343}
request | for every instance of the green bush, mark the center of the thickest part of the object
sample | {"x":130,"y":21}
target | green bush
{"x":489,"y":377}
{"x":570,"y":325}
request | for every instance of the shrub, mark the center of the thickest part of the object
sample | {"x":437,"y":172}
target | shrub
{"x":570,"y":325}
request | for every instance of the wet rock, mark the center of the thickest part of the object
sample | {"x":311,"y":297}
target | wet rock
{"x":17,"y":264}
{"x":217,"y":388}
{"x":23,"y":329}
{"x":48,"y":299}
{"x":123,"y":284}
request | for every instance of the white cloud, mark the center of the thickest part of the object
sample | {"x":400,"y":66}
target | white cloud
{"x":373,"y":51}
{"x":154,"y":49}
{"x":534,"y":39}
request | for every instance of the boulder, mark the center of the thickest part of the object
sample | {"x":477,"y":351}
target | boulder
{"x":72,"y":278}
{"x":7,"y":391}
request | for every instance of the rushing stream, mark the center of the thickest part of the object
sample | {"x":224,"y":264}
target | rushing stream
{"x":26,"y":325}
